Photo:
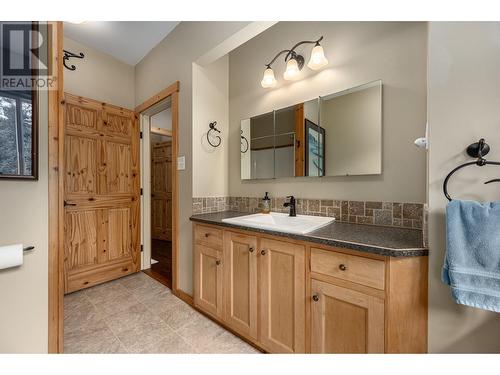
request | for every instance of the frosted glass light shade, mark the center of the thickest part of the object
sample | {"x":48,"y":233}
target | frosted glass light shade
{"x":268,"y":79}
{"x":292,"y":70}
{"x":318,"y":59}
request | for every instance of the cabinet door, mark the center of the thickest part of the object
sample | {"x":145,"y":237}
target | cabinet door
{"x":345,"y":321}
{"x":240,"y":258}
{"x":282,"y":296}
{"x":208,"y":280}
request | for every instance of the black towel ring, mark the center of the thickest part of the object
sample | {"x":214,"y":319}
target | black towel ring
{"x":213,"y":127}
{"x":475,"y":150}
{"x":245,"y":145}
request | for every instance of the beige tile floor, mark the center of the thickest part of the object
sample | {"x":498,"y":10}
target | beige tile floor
{"x":137,"y":314}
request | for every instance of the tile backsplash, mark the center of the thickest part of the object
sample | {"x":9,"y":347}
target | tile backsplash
{"x":396,"y":214}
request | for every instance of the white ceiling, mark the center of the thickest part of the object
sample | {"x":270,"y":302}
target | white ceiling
{"x":127,"y":41}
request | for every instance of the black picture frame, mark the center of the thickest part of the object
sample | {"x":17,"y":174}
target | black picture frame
{"x":33,"y":95}
{"x":312,"y":127}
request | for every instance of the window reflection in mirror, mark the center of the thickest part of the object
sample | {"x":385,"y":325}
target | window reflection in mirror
{"x":352,"y":123}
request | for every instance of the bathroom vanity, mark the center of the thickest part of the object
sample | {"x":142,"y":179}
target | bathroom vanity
{"x":343,"y":288}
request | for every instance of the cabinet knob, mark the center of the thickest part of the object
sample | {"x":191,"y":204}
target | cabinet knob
{"x":315,"y":298}
{"x":207,"y":234}
{"x":251,"y":249}
{"x":217,"y":262}
{"x":342,"y":267}
{"x":263,"y":252}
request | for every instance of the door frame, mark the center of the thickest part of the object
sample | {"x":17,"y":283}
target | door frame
{"x":173,"y":92}
{"x":56,"y":191}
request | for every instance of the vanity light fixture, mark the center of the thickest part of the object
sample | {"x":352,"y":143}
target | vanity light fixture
{"x":295,"y":63}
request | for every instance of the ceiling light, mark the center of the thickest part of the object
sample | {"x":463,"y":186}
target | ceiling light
{"x":318,"y":59}
{"x":292,"y":69}
{"x":295,"y":63}
{"x":268,"y":80}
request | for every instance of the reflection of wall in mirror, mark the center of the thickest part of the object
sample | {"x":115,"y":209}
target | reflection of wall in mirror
{"x":162,"y":120}
{"x":353,"y":132}
{"x":262,"y":163}
{"x":246,"y":163}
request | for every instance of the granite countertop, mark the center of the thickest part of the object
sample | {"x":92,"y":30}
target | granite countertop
{"x":388,"y":241}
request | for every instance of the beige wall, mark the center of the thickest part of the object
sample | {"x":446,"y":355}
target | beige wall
{"x":99,"y":76}
{"x":24,"y":289}
{"x":463,"y":98}
{"x":170,"y":61}
{"x":210,"y":103}
{"x":358,"y":52}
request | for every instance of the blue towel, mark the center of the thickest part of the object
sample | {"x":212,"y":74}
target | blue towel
{"x":472,"y":262}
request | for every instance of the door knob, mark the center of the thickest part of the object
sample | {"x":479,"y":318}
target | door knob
{"x":315,"y":298}
{"x":263,"y":252}
{"x":342,"y":267}
{"x":251,"y":249}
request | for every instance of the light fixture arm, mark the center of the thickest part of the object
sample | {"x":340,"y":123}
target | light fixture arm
{"x":287,"y":51}
{"x":292,"y":50}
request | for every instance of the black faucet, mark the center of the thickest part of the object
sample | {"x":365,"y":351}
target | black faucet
{"x":291,"y":204}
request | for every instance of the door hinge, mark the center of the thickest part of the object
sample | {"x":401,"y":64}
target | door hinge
{"x":142,"y":191}
{"x":142,"y":248}
{"x":140,"y":135}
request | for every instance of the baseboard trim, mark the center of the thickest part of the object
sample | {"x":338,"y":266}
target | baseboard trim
{"x":184,"y":296}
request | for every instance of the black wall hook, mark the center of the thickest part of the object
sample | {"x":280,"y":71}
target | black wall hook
{"x":244,"y":143}
{"x":68,"y":55}
{"x":213,"y":127}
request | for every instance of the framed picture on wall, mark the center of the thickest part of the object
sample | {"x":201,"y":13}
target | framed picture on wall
{"x":315,"y":149}
{"x":18,"y":104}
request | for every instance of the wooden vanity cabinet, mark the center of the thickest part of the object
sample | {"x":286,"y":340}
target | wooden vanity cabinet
{"x":289,"y":296}
{"x":208,"y":270}
{"x":345,"y":320}
{"x":240,"y":283}
{"x":282,"y":286}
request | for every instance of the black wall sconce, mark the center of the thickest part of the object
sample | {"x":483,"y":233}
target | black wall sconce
{"x":244,"y":143}
{"x":68,"y":55}
{"x":213,"y":127}
{"x":295,"y":62}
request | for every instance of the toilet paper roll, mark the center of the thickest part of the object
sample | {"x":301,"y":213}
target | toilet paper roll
{"x":11,"y":256}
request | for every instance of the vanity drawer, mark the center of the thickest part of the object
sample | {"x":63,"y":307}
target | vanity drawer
{"x":365,"y":271}
{"x":208,"y":236}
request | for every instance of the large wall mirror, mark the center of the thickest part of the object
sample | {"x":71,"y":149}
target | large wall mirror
{"x":335,"y":135}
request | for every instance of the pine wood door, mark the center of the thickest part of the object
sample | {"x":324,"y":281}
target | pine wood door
{"x":161,"y":191}
{"x":345,"y":321}
{"x":101,"y":193}
{"x":282,"y":296}
{"x":240,"y":265}
{"x":208,"y":279}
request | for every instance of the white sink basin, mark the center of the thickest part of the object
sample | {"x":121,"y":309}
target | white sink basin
{"x":300,"y":224}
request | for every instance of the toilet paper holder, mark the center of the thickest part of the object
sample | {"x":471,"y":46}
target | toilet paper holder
{"x":29,"y":248}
